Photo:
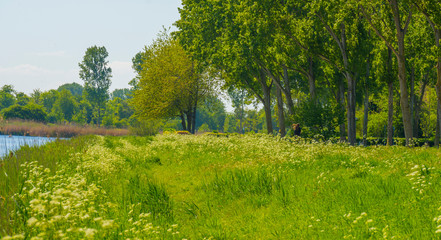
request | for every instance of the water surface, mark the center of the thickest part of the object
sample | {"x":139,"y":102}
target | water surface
{"x":13,"y":143}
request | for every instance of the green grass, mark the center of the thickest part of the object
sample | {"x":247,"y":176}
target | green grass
{"x":240,"y":187}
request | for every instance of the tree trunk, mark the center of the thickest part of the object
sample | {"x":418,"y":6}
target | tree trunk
{"x":366,"y":103}
{"x":401,"y":58}
{"x":311,"y":80}
{"x":288,"y":95}
{"x":189,"y":121}
{"x":412,"y":101}
{"x":281,"y":115}
{"x":193,"y":122}
{"x":390,"y":113}
{"x":266,"y":102}
{"x":351,"y":81}
{"x":438,"y":127}
{"x":418,"y":107}
{"x":438,"y":74}
{"x":341,"y":102}
{"x":99,"y":115}
{"x":351,"y":110}
{"x":241,"y":130}
{"x":184,"y":125}
{"x":285,"y":89}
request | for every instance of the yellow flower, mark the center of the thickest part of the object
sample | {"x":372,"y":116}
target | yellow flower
{"x":89,"y":232}
{"x":31,"y":221}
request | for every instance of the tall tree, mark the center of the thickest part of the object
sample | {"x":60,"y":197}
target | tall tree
{"x":227,"y":41}
{"x":74,"y":88}
{"x":96,"y":76}
{"x":169,"y":85}
{"x":390,"y":22}
{"x":432,"y":11}
{"x":65,"y":107}
{"x":347,"y":38}
{"x":7,"y":97}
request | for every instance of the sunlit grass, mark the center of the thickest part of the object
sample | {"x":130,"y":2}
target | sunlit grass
{"x":240,"y":187}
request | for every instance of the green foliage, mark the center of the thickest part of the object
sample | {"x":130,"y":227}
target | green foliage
{"x":169,"y":85}
{"x":7,"y":98}
{"x":211,"y":112}
{"x":318,"y":118}
{"x":144,"y":127}
{"x":48,"y":99}
{"x":96,"y":76}
{"x":204,"y":128}
{"x":22,"y":99}
{"x":123,"y":93}
{"x":28,"y":112}
{"x":74,"y":88}
{"x":65,"y":107}
{"x":117,"y":113}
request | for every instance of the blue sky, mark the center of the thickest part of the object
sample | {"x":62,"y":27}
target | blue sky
{"x":42,"y":41}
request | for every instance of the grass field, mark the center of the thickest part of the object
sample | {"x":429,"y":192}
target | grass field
{"x":240,"y":187}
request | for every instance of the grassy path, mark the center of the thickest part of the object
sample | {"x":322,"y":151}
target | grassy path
{"x":241,"y":187}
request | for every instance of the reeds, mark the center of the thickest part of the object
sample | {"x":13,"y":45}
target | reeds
{"x":29,"y":128}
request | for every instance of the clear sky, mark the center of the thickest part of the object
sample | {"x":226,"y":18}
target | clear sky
{"x":42,"y":41}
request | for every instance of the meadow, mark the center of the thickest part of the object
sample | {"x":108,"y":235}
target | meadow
{"x":208,"y":187}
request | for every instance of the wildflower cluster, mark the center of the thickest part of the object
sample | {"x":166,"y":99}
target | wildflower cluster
{"x":363,"y":226}
{"x":420,"y":177}
{"x":72,"y":202}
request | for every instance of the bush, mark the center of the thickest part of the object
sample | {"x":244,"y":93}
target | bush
{"x":145,"y":127}
{"x":318,"y":118}
{"x":28,"y":112}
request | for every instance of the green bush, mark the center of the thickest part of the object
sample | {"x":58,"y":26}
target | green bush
{"x":28,"y":112}
{"x":318,"y":118}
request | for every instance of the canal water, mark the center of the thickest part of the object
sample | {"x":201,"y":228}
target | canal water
{"x":12,"y":143}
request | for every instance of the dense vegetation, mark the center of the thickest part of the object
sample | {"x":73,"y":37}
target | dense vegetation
{"x":240,"y":187}
{"x":352,"y":59}
{"x":356,"y":69}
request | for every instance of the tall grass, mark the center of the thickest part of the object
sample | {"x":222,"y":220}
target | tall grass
{"x":241,"y":187}
{"x":29,"y":128}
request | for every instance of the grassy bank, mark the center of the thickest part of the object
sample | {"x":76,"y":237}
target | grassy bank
{"x":29,"y":128}
{"x":241,"y":187}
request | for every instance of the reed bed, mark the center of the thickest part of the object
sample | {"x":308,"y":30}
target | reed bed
{"x":29,"y":128}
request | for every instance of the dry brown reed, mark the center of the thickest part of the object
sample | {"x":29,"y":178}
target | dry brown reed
{"x":29,"y":128}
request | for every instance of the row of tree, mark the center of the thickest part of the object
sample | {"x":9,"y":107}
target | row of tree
{"x":68,"y":103}
{"x":344,"y":54}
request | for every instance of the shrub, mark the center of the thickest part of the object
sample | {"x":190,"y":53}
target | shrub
{"x":183,"y":132}
{"x":28,"y":112}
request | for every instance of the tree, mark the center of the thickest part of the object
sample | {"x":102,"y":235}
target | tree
{"x":48,"y":99}
{"x":123,"y":93}
{"x":7,"y":97}
{"x":96,"y":76}
{"x":22,"y":98}
{"x":211,"y":112}
{"x":431,"y":9}
{"x":36,"y":96}
{"x":65,"y":107}
{"x":386,"y":19}
{"x":169,"y":85}
{"x":226,"y":41}
{"x":74,"y":88}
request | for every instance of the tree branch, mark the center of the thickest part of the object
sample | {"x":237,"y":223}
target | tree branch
{"x":331,"y":32}
{"x":406,"y":25}
{"x":377,"y":31}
